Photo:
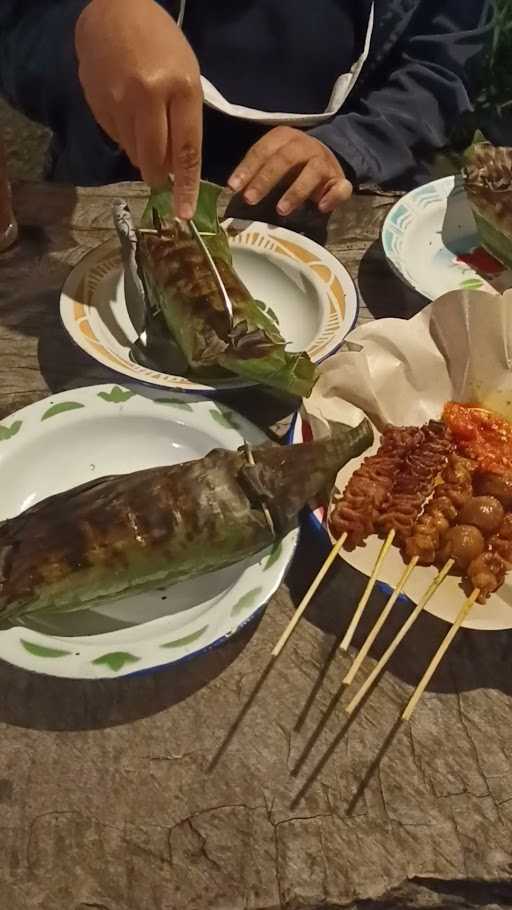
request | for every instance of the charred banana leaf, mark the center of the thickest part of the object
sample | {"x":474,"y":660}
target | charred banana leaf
{"x":488,"y":182}
{"x":180,"y":287}
{"x":120,"y":535}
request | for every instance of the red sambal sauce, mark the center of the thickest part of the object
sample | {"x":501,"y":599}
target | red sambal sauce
{"x":481,"y":435}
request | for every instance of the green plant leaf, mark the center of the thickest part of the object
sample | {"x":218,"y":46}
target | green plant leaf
{"x":9,"y":432}
{"x":40,"y":651}
{"x":259,"y":354}
{"x":471,"y":283}
{"x":174,"y":403}
{"x":205,"y":219}
{"x":224,"y":418}
{"x":245,"y":602}
{"x":117,"y":395}
{"x":61,"y":408}
{"x":116,"y":660}
{"x":273,"y":315}
{"x":274,"y":555}
{"x":186,"y":640}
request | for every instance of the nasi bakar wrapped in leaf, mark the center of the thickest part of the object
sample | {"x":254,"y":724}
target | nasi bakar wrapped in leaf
{"x":120,"y":535}
{"x":188,"y":310}
{"x":488,"y":182}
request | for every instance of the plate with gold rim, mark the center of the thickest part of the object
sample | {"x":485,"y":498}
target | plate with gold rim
{"x":309,"y":292}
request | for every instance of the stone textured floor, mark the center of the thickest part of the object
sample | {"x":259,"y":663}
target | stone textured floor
{"x":26,"y":144}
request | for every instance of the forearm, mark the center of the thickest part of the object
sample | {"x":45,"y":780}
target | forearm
{"x":392,"y":128}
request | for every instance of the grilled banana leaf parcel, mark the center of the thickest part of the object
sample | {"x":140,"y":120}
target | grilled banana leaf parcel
{"x":120,"y":535}
{"x":181,"y":287}
{"x":488,"y":182}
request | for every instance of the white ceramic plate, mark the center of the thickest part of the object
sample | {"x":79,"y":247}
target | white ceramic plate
{"x":88,"y":433}
{"x":311,"y":294}
{"x":495,"y":614}
{"x":424,"y":234}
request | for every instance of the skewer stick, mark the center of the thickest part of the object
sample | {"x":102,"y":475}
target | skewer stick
{"x":349,"y":634}
{"x":429,"y":593}
{"x":441,"y":651}
{"x":380,"y":621}
{"x":309,"y":594}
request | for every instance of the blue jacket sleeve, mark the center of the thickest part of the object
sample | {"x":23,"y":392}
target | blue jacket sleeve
{"x":392,"y":126}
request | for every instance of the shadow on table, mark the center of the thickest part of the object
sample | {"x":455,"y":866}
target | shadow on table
{"x":475,"y":660}
{"x":29,"y":309}
{"x":42,"y":702}
{"x":38,"y":211}
{"x":383,"y":292}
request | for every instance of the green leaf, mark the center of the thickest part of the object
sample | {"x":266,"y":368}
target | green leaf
{"x":205,"y":219}
{"x":186,"y":640}
{"x":41,"y":651}
{"x":116,"y":660}
{"x":160,"y":199}
{"x":224,"y":418}
{"x":9,"y":432}
{"x":117,"y":395}
{"x":272,"y":314}
{"x":61,"y":408}
{"x":259,"y":353}
{"x":245,"y":602}
{"x":274,"y":555}
{"x":174,"y":403}
{"x":471,"y":283}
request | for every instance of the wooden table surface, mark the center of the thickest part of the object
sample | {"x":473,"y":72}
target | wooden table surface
{"x":222,"y":784}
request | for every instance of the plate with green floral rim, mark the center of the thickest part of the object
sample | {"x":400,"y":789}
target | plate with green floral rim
{"x":77,"y":436}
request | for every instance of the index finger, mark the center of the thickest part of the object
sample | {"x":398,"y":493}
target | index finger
{"x":150,"y":141}
{"x":186,"y":129}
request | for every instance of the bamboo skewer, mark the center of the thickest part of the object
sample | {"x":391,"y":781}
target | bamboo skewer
{"x":438,"y":656}
{"x":380,"y":621}
{"x":349,"y":634}
{"x":429,"y":593}
{"x":308,"y":595}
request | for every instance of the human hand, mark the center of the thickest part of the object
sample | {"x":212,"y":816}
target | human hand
{"x":282,"y":151}
{"x":141,"y":80}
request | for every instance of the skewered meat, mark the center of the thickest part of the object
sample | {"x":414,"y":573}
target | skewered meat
{"x":368,"y":490}
{"x":445,"y":506}
{"x":503,"y":548}
{"x":505,"y":531}
{"x":463,"y":543}
{"x":441,"y":511}
{"x":487,"y":572}
{"x":501,"y":542}
{"x":416,"y":480}
{"x":459,"y":470}
{"x":458,"y":494}
{"x":498,"y":485}
{"x":484,"y":512}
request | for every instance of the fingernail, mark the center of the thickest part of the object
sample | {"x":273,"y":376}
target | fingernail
{"x":284,"y":208}
{"x":251,"y":197}
{"x":185,"y":211}
{"x":235,"y":182}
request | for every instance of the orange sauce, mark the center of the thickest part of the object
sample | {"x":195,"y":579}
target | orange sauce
{"x":481,"y":435}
